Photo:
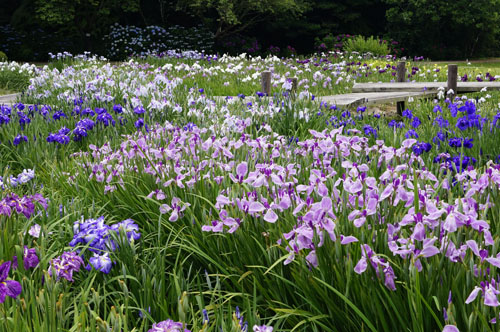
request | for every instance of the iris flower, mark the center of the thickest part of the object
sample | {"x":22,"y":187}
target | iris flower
{"x":168,"y":326}
{"x":10,"y":288}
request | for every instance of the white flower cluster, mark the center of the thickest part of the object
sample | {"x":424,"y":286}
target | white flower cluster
{"x":13,"y":66}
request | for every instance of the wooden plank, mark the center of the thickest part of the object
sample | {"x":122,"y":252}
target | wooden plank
{"x":424,"y":86}
{"x":344,"y":100}
{"x":10,"y":97}
{"x":369,"y":98}
{"x":365,"y":98}
{"x":477,"y":86}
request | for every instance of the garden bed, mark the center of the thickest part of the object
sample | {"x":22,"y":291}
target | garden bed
{"x":132,"y":196}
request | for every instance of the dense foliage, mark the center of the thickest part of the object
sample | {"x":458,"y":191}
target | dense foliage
{"x":446,"y":29}
{"x":29,"y":29}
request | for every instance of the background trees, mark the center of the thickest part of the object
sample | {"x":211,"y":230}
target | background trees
{"x":439,"y":29}
{"x":445,"y":29}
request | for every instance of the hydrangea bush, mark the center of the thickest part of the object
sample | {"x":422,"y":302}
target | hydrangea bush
{"x":125,"y":41}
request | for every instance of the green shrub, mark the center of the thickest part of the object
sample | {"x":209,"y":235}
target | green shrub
{"x":3,"y":57}
{"x":364,"y":45}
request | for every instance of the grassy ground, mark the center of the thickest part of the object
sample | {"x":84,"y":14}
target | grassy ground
{"x":483,"y":64}
{"x":5,"y":92}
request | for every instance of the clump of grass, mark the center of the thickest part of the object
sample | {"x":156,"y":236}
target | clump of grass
{"x":363,"y":45}
{"x":13,"y":80}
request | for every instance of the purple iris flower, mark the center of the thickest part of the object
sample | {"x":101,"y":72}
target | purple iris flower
{"x":168,"y":326}
{"x":79,"y":133}
{"x":462,"y":123}
{"x":65,"y":265}
{"x":19,"y":138}
{"x":30,"y":259}
{"x":64,"y":131}
{"x":118,"y":108}
{"x":468,"y":143}
{"x":469,"y":107}
{"x":206,"y":320}
{"x":101,"y":263}
{"x":45,"y":110}
{"x":87,"y":111}
{"x":93,"y":232}
{"x":394,"y":124}
{"x":441,"y":122}
{"x":416,"y":122}
{"x":346,"y":114}
{"x":23,"y":120}
{"x":455,"y":142}
{"x":243,"y":325}
{"x":408,"y":114}
{"x":369,"y":256}
{"x":86,"y":123}
{"x":139,"y":123}
{"x":489,"y":292}
{"x":441,"y":135}
{"x":369,"y":130}
{"x":411,"y":133}
{"x":25,"y":205}
{"x":4,"y":119}
{"x":5,"y":110}
{"x":10,"y":288}
{"x":59,"y":114}
{"x":130,"y":227}
{"x":494,"y":122}
{"x":51,"y":138}
{"x":421,"y":147}
{"x":106,"y":119}
{"x":62,"y":139}
{"x":139,"y":110}
{"x":453,"y":109}
{"x":460,"y":162}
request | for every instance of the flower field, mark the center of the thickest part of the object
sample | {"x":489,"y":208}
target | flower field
{"x":168,"y":194}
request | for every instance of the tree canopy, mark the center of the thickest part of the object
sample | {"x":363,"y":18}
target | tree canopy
{"x":237,"y":15}
{"x":445,"y":29}
{"x":438,"y":29}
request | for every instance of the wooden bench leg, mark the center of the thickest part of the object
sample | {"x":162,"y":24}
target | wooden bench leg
{"x":400,"y":74}
{"x":400,"y":107}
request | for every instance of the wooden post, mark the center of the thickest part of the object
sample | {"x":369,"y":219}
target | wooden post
{"x":452,"y":80}
{"x":293,"y":92}
{"x":265,"y":82}
{"x":400,"y":75}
